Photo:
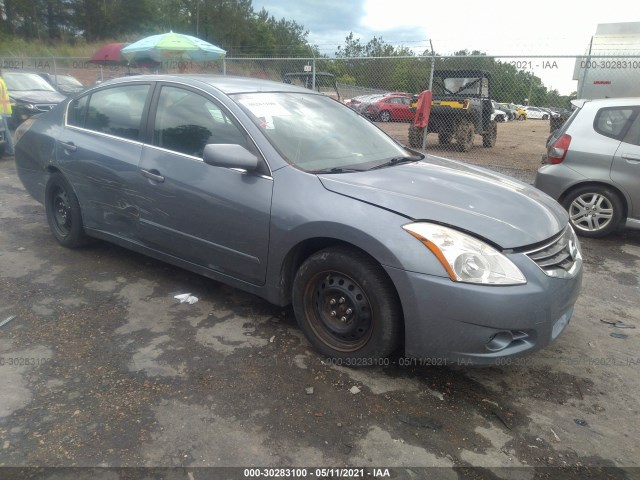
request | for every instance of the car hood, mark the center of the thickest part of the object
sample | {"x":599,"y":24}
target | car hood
{"x":37,"y":96}
{"x":500,"y":209}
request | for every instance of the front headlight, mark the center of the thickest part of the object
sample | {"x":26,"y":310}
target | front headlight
{"x":465,"y":258}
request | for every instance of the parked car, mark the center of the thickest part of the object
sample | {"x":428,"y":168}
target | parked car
{"x":357,"y":103}
{"x":509,"y":109}
{"x":536,"y":113}
{"x":290,"y":195}
{"x":593,"y":166}
{"x":549,"y":111}
{"x":30,"y":94}
{"x":498,"y":115}
{"x":65,"y":84}
{"x":392,"y":107}
{"x":521,"y":113}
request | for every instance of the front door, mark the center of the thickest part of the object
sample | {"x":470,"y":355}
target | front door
{"x":625,"y":168}
{"x":214,"y":217}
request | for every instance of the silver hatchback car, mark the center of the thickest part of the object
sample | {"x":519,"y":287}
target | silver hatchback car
{"x":593,"y":166}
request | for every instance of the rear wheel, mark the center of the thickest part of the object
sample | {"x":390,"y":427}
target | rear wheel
{"x":416,"y":136}
{"x":464,"y":135}
{"x":346,"y":305}
{"x":385,"y":116}
{"x":594,"y":211}
{"x":489,"y":138}
{"x":545,"y":117}
{"x":63,"y":213}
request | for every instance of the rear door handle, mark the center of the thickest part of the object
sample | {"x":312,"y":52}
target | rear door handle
{"x":153,"y":175}
{"x":69,"y":146}
{"x":631,"y":158}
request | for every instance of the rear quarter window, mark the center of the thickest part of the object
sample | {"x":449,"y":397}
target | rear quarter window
{"x":613,"y":121}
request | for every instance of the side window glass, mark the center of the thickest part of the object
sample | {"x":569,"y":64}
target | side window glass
{"x":77,"y":111}
{"x":117,"y":111}
{"x":633,"y":135}
{"x":611,"y":121}
{"x":186,"y":122}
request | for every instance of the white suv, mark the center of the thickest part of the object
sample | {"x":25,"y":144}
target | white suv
{"x":593,"y":165}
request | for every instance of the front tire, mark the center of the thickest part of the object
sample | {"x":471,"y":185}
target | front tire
{"x":594,"y":211}
{"x":385,"y":116}
{"x":416,"y":136}
{"x":489,"y":138}
{"x":346,"y":305}
{"x":63,"y":213}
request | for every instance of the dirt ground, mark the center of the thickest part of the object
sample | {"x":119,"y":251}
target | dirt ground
{"x":519,"y":145}
{"x":101,"y":368}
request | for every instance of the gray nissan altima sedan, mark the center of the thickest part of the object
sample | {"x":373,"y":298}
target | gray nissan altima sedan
{"x":292,"y":196}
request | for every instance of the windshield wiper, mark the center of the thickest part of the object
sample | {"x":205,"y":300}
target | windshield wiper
{"x":336,"y":170}
{"x":397,"y":161}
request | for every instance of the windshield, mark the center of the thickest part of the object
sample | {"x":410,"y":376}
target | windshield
{"x":70,"y":81}
{"x":17,"y":82}
{"x":316,"y":133}
{"x":474,"y":86}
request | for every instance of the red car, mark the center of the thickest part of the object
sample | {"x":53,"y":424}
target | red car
{"x":388,"y":108}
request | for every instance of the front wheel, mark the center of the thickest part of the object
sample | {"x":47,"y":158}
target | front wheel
{"x":346,"y":305}
{"x":594,"y":211}
{"x":489,"y":138}
{"x":63,"y":212}
{"x":416,"y":136}
{"x":385,"y":116}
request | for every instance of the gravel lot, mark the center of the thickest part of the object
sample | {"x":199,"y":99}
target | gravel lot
{"x":518,"y":150}
{"x":101,"y":367}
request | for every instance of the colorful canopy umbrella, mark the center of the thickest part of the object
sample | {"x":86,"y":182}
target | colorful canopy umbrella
{"x":109,"y":54}
{"x":174,"y":46}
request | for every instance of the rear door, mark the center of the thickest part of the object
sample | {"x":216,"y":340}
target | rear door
{"x":99,"y":150}
{"x":625,"y":168}
{"x":214,"y":217}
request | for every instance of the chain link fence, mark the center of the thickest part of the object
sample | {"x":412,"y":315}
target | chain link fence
{"x":486,"y":110}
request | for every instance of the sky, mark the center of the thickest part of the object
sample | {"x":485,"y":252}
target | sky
{"x":498,"y":27}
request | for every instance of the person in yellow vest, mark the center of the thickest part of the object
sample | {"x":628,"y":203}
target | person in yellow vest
{"x":5,"y":111}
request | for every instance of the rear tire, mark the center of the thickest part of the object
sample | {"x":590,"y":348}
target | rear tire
{"x":63,"y":213}
{"x":464,"y":135}
{"x":346,"y":305}
{"x":594,"y":211}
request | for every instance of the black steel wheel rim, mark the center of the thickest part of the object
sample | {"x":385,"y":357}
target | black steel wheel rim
{"x":61,"y":211}
{"x":339,"y":311}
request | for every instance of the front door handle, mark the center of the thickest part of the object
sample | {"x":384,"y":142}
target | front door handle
{"x":69,"y":146}
{"x":631,"y":158}
{"x":152,"y":174}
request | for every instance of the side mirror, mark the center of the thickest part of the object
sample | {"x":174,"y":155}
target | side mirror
{"x":229,"y":155}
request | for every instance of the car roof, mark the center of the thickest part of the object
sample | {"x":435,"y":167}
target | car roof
{"x":608,"y":102}
{"x":225,"y":83}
